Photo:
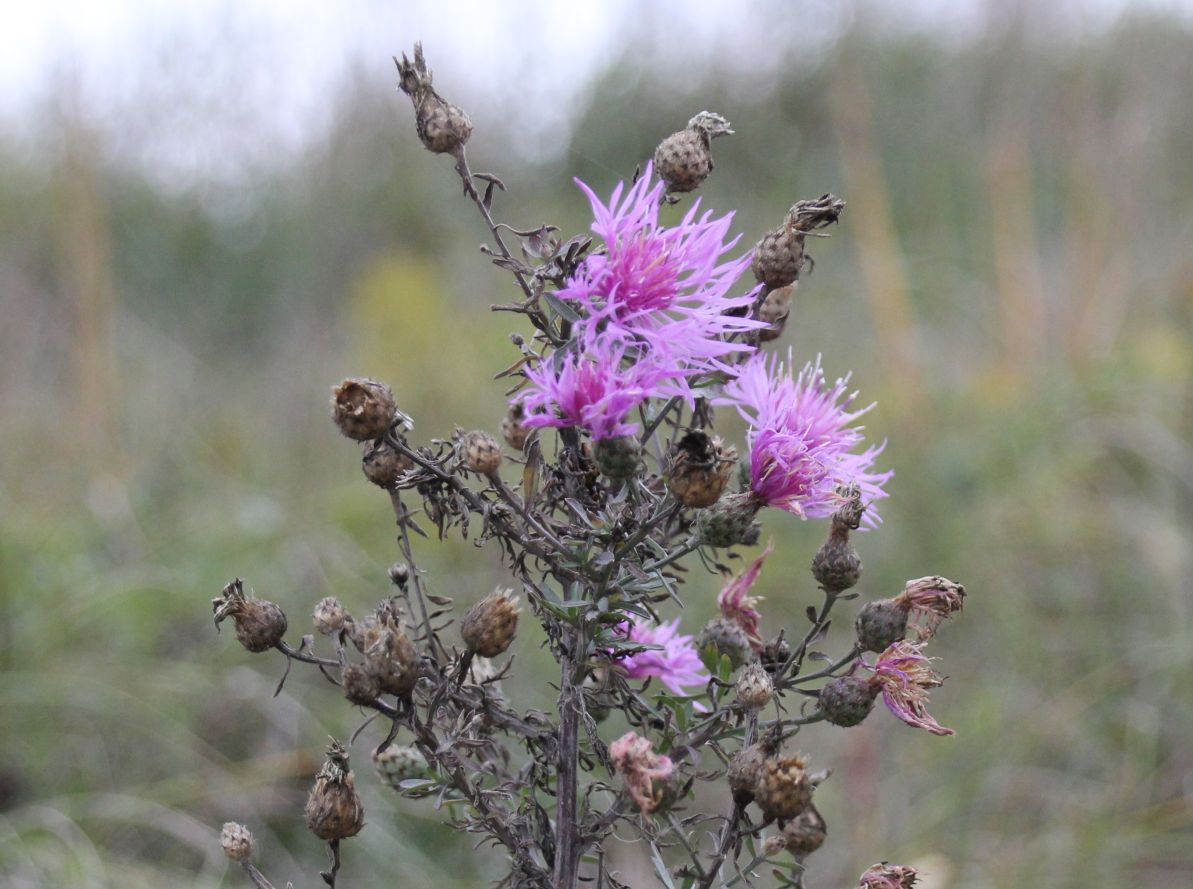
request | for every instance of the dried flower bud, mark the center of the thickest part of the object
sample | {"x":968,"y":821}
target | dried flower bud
{"x":930,"y":601}
{"x":649,"y":777}
{"x":481,"y":452}
{"x":513,"y":430}
{"x":383,"y":464}
{"x":442,"y":127}
{"x":363,"y":408}
{"x":888,"y":876}
{"x":880,"y":624}
{"x":399,"y":573}
{"x":754,"y":687}
{"x":784,"y":789}
{"x":805,"y":833}
{"x":775,"y":310}
{"x":745,"y":769}
{"x":836,"y":565}
{"x":847,"y":700}
{"x":727,"y":638}
{"x":489,"y":626}
{"x":396,"y":764}
{"x":684,"y":159}
{"x":775,"y":653}
{"x":779,"y":256}
{"x":394,"y":660}
{"x":700,"y":468}
{"x":237,"y":842}
{"x":361,"y":685}
{"x":729,"y":521}
{"x":618,"y":458}
{"x":333,"y":809}
{"x":330,"y":616}
{"x":260,"y":625}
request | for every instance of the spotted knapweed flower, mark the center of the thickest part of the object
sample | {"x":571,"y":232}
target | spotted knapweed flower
{"x":676,"y":663}
{"x":905,"y":675}
{"x":930,"y":601}
{"x":738,"y":605}
{"x":665,"y":289}
{"x":803,"y":444}
{"x":888,"y":876}
{"x":649,"y":777}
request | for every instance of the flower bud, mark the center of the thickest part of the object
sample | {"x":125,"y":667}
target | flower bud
{"x":237,"y":842}
{"x":481,"y":452}
{"x":888,"y":876}
{"x":333,"y":809}
{"x":489,"y":626}
{"x":383,"y":464}
{"x":784,"y":789}
{"x":260,"y":625}
{"x":330,"y":616}
{"x":361,"y":685}
{"x":754,"y":687}
{"x":618,"y":458}
{"x":729,"y":521}
{"x":513,"y":429}
{"x":684,"y":159}
{"x":363,"y":408}
{"x":727,"y":638}
{"x":779,"y":255}
{"x":774,"y":311}
{"x":836,"y":565}
{"x":880,"y":624}
{"x":396,"y":764}
{"x":847,"y":700}
{"x":442,"y":127}
{"x":699,"y":469}
{"x":805,"y":833}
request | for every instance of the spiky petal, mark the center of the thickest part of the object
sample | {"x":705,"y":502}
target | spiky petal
{"x":739,"y":606}
{"x":905,"y":675}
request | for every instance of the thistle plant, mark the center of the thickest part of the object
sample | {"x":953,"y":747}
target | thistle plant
{"x":636,"y":334}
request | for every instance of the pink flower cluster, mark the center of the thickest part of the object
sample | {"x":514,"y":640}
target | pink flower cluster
{"x":676,"y":663}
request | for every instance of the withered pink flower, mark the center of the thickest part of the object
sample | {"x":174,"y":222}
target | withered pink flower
{"x":888,"y":876}
{"x":905,"y":674}
{"x":739,"y":606}
{"x":929,"y":601}
{"x":648,"y":777}
{"x":676,"y":664}
{"x":803,"y":441}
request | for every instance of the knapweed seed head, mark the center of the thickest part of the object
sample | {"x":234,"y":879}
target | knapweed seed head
{"x":260,"y":624}
{"x":929,"y":602}
{"x":684,"y":159}
{"x":364,"y":409}
{"x":489,"y":626}
{"x":442,"y":127}
{"x":330,"y":616}
{"x":805,"y":833}
{"x":699,"y":468}
{"x":836,"y":565}
{"x":480,"y":452}
{"x":779,"y":255}
{"x":383,"y":464}
{"x":362,"y":686}
{"x":880,"y":624}
{"x":774,"y":311}
{"x":727,"y":638}
{"x":784,"y":788}
{"x":237,"y":842}
{"x":754,"y":687}
{"x":513,"y":429}
{"x":888,"y":876}
{"x":334,"y":810}
{"x":396,"y":764}
{"x":847,"y":700}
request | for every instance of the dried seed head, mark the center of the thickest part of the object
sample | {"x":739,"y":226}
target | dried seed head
{"x":330,"y":616}
{"x":481,"y":452}
{"x":774,"y":311}
{"x":442,"y":127}
{"x":618,"y":458}
{"x":383,"y":464}
{"x":779,"y":255}
{"x":333,"y":809}
{"x":361,"y":685}
{"x":237,"y":842}
{"x":754,"y":686}
{"x":745,"y":769}
{"x":729,"y":521}
{"x":784,"y":789}
{"x":847,"y":700}
{"x":396,"y":764}
{"x":805,"y":833}
{"x":930,"y":601}
{"x":700,"y":467}
{"x":880,"y":624}
{"x":489,"y":626}
{"x":836,"y":565}
{"x":727,"y":638}
{"x":684,"y":159}
{"x":513,"y":430}
{"x":390,"y":657}
{"x":888,"y":876}
{"x":260,"y":625}
{"x":363,"y":408}
{"x":775,"y":653}
{"x":399,"y":573}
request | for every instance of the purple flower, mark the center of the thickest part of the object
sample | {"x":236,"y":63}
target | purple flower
{"x":802,"y":443}
{"x":664,"y":289}
{"x":738,"y":605}
{"x":676,"y":664}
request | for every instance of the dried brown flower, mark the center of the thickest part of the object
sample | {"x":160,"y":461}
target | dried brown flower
{"x":260,"y":624}
{"x":333,"y":809}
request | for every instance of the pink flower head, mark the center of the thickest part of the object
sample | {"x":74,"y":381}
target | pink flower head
{"x":738,"y":606}
{"x":663,"y":288}
{"x":676,"y":663}
{"x":802,"y":441}
{"x":930,"y":601}
{"x":888,"y":876}
{"x":647,"y":775}
{"x":594,"y":388}
{"x":904,"y":674}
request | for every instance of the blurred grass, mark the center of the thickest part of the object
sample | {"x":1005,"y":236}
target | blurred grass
{"x":1011,"y":281}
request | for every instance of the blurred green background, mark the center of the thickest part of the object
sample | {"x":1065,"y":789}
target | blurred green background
{"x":190,"y":258}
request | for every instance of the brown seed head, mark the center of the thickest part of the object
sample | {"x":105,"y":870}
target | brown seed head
{"x":237,"y":842}
{"x":442,"y":127}
{"x":847,"y":700}
{"x":784,"y":789}
{"x":480,"y":452}
{"x":779,"y":255}
{"x":489,"y":626}
{"x":330,"y":616}
{"x":836,"y":565}
{"x":754,"y":686}
{"x":260,"y":624}
{"x":880,"y":624}
{"x":699,"y":469}
{"x":333,"y":809}
{"x":513,"y":430}
{"x":728,"y":638}
{"x":774,"y":311}
{"x":888,"y":876}
{"x":684,"y":159}
{"x":361,"y":685}
{"x":805,"y":833}
{"x":396,"y":764}
{"x":383,"y":464}
{"x":363,"y":408}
